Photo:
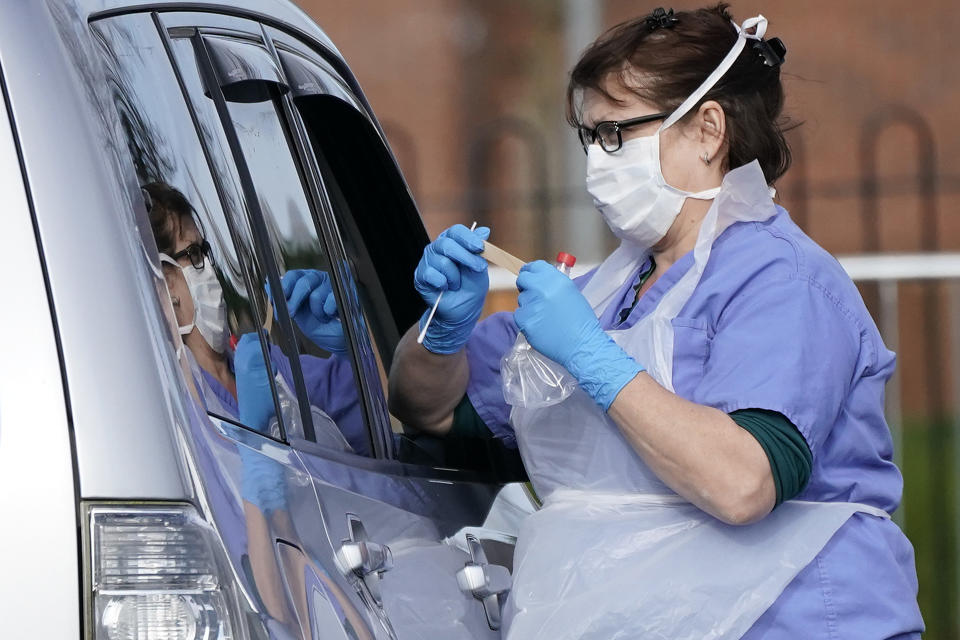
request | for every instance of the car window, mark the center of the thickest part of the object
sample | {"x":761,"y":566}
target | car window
{"x":214,"y":282}
{"x":379,"y":226}
{"x":320,"y":352}
{"x":322,"y":339}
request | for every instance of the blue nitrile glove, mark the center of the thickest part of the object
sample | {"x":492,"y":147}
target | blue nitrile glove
{"x":450,"y":264}
{"x":254,"y":396}
{"x":313,"y":306}
{"x":559,"y":323}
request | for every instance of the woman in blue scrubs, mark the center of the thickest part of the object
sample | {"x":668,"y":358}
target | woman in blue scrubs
{"x":724,"y":468}
{"x":235,"y":383}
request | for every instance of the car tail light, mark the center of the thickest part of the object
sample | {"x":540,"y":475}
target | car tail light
{"x":155,"y":575}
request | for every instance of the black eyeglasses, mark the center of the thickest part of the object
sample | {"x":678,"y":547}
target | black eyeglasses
{"x":196,"y":252}
{"x":607,"y":133}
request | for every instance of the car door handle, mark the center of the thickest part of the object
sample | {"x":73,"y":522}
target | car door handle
{"x":485,"y":581}
{"x":366,"y":560}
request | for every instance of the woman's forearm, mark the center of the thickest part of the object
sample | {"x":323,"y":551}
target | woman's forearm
{"x":425,"y":387}
{"x":698,"y":451}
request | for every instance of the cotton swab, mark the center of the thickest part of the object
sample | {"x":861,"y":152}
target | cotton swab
{"x":436,"y":303}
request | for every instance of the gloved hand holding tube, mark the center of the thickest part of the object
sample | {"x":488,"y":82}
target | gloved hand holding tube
{"x":559,"y":323}
{"x":254,"y":396}
{"x":451,"y":265}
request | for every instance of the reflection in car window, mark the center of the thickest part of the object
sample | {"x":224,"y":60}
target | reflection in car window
{"x":321,"y":352}
{"x":208,"y":270}
{"x":307,"y":279}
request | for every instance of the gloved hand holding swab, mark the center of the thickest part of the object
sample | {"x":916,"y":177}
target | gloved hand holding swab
{"x":433,"y":310}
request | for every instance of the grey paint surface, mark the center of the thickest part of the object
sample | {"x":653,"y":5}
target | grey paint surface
{"x":48,"y":56}
{"x":102,"y":312}
{"x":38,"y":537}
{"x":134,"y":433}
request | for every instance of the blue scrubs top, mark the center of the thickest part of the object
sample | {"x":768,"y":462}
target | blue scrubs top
{"x":330,"y":387}
{"x":775,"y":323}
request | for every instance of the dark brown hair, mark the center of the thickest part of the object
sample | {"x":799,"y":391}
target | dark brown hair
{"x":679,"y":58}
{"x":167,"y":208}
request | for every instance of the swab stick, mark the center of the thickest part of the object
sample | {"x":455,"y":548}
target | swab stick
{"x":495,"y":255}
{"x":268,"y":323}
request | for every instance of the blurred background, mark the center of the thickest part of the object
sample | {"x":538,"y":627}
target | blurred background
{"x":471,"y":96}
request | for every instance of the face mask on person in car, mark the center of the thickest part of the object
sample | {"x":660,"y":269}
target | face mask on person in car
{"x":209,"y":308}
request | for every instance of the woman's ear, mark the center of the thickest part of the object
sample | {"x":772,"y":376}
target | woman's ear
{"x":712,"y":125}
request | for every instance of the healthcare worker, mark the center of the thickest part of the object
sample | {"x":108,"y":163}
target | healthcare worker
{"x":236,"y":384}
{"x":724,"y":468}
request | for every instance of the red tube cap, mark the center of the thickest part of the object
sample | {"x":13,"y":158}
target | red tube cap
{"x":566,"y":258}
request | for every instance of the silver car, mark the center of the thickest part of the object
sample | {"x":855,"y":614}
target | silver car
{"x":138,"y":501}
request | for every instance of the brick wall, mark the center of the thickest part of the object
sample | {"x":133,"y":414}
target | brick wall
{"x":442,"y":74}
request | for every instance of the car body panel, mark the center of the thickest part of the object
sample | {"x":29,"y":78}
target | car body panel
{"x":104,"y":315}
{"x":94,"y":364}
{"x":38,"y":538}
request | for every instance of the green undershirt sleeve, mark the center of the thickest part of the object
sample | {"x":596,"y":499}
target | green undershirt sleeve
{"x":469,"y":445}
{"x":788,"y":452}
{"x":467,"y":423}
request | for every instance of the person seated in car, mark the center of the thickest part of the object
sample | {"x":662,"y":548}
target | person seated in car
{"x":235,"y":384}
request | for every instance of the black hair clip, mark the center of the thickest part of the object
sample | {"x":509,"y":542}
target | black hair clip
{"x":772,"y":51}
{"x":661,"y":19}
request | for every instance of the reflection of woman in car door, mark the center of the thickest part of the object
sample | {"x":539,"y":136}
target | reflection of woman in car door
{"x":237,"y":386}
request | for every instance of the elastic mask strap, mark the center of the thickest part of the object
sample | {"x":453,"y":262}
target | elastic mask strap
{"x":742,"y":36}
{"x":185,"y":329}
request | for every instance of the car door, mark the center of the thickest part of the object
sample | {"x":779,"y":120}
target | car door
{"x":334,"y":431}
{"x":251,"y":483}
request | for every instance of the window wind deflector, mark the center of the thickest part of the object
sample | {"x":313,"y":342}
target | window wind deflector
{"x":309,"y":78}
{"x":245,"y":71}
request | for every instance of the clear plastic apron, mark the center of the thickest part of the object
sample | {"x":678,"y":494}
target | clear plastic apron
{"x":614,"y":553}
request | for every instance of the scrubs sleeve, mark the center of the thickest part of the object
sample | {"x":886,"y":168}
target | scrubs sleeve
{"x":787,"y":346}
{"x":489,"y":342}
{"x":332,"y":389}
{"x":491,"y":339}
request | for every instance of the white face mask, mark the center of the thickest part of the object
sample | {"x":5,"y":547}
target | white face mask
{"x":209,"y":308}
{"x":629,"y":190}
{"x":628,"y":187}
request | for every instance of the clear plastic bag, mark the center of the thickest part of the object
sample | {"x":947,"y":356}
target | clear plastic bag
{"x":531,"y":380}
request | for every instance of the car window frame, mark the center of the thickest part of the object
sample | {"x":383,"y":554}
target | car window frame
{"x":238,"y":239}
{"x":359,"y":105}
{"x":216,"y":23}
{"x":251,"y":213}
{"x":325,"y":222}
{"x":370,"y":395}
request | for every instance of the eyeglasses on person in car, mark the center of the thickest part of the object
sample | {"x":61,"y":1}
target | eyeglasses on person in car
{"x":196,"y":252}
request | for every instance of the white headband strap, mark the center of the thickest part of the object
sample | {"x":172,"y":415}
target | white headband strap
{"x":760,"y":25}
